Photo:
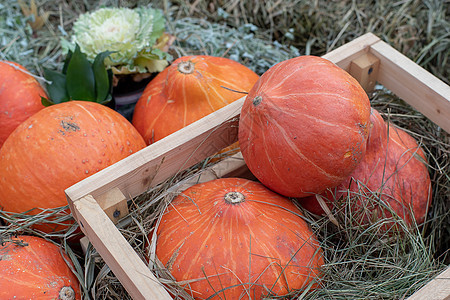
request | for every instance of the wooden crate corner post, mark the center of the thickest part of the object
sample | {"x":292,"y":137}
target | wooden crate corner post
{"x":365,"y":69}
{"x":114,"y":204}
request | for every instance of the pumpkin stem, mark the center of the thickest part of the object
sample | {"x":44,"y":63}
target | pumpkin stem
{"x":186,"y":67}
{"x":257,"y":100}
{"x":234,"y":197}
{"x":66,"y":293}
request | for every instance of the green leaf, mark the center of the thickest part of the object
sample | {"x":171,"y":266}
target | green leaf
{"x":102,"y":82}
{"x":56,"y":89}
{"x":106,"y":101}
{"x":66,"y":62}
{"x":155,"y":54}
{"x":110,"y":79}
{"x":46,"y":102}
{"x":80,"y":80}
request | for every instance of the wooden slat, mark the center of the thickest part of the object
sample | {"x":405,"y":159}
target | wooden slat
{"x":436,"y":289}
{"x":412,"y":83}
{"x":228,"y":167}
{"x":134,"y":275}
{"x":345,"y":54}
{"x":137,"y":173}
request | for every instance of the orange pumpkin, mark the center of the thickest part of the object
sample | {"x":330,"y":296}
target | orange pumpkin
{"x":20,"y":97}
{"x":189,"y":89}
{"x":235,"y":239}
{"x":57,"y":147}
{"x":394,"y":168}
{"x":303,"y":126}
{"x":33,"y":268}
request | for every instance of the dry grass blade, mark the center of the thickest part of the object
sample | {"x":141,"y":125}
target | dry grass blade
{"x":37,"y":21}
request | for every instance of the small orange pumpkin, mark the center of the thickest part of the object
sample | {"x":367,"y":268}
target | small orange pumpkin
{"x":57,"y":147}
{"x":303,"y":126}
{"x":20,"y":97}
{"x":189,"y":89}
{"x":34,"y":268}
{"x":233,"y":238}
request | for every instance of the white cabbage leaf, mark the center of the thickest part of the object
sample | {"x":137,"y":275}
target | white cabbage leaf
{"x":133,"y":35}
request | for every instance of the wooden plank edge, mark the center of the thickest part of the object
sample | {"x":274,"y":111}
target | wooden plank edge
{"x":412,"y":83}
{"x":229,"y":165}
{"x":437,"y":289}
{"x":118,"y":254}
{"x":344,"y":55}
{"x":136,"y":173}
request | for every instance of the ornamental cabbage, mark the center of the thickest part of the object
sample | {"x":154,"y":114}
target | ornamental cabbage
{"x":134,"y":36}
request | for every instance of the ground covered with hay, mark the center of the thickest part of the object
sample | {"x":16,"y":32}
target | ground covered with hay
{"x":360,"y":263}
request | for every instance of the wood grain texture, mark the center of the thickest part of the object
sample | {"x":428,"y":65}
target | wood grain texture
{"x":114,"y":204}
{"x":139,"y":281}
{"x":164,"y":158}
{"x":137,"y":173}
{"x":365,"y":70}
{"x":345,"y":54}
{"x":436,"y":289}
{"x":412,"y":83}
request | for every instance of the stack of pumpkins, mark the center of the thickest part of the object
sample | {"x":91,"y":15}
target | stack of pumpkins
{"x":43,"y":152}
{"x":306,"y":131}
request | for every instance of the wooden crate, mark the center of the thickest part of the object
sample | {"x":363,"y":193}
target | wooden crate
{"x":99,"y":199}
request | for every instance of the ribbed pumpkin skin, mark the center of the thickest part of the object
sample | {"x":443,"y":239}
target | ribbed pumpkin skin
{"x":20,"y":97}
{"x":36,"y":271}
{"x":262,"y":241}
{"x":57,"y":147}
{"x":395,"y":167}
{"x":188,"y":90}
{"x":303,"y":126}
